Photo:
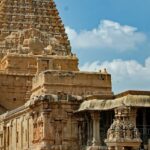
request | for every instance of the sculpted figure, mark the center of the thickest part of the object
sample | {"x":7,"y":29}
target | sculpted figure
{"x":35,"y":45}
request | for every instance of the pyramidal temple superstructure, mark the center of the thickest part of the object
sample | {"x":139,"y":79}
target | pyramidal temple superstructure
{"x":25,"y":21}
{"x":46,"y":102}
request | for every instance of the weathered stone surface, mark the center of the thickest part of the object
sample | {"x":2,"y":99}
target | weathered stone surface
{"x":46,"y":103}
{"x":123,"y":133}
{"x":31,"y":26}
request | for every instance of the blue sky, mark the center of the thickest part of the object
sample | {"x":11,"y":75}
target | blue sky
{"x":111,"y":33}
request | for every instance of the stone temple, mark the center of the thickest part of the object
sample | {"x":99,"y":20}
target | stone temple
{"x":46,"y":102}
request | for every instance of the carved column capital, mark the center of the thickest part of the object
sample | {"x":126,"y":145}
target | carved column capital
{"x":95,"y":115}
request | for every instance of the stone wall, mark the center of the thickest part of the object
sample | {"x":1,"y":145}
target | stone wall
{"x":40,"y":124}
{"x":15,"y":90}
{"x":74,"y":83}
{"x":31,"y":64}
{"x":17,"y":71}
{"x":20,"y":64}
{"x":68,"y":63}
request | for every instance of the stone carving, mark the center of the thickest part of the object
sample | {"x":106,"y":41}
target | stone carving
{"x":123,"y":130}
{"x":13,"y":20}
{"x":37,"y":128}
{"x":32,"y":41}
{"x":41,"y":86}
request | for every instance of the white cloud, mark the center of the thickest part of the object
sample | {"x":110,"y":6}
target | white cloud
{"x":108,"y":35}
{"x":125,"y":74}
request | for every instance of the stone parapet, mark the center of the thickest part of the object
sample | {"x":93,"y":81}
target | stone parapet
{"x":72,"y":82}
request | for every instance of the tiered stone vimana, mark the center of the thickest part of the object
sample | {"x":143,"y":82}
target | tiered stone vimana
{"x":46,"y":102}
{"x":24,"y":22}
{"x":32,"y":39}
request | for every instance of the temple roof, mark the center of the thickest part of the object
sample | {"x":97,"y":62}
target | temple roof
{"x":132,"y":92}
{"x":127,"y":100}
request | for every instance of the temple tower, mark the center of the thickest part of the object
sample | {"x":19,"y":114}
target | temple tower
{"x":32,"y":40}
{"x":37,"y":20}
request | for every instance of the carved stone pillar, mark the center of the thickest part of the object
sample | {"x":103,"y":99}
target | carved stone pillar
{"x":11,"y":141}
{"x":144,"y":127}
{"x":89,"y":130}
{"x":133,"y":115}
{"x":41,"y":130}
{"x":45,"y":125}
{"x":45,"y":137}
{"x":96,"y":128}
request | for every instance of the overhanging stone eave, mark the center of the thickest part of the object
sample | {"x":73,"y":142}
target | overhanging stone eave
{"x":86,"y":110}
{"x":102,"y":105}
